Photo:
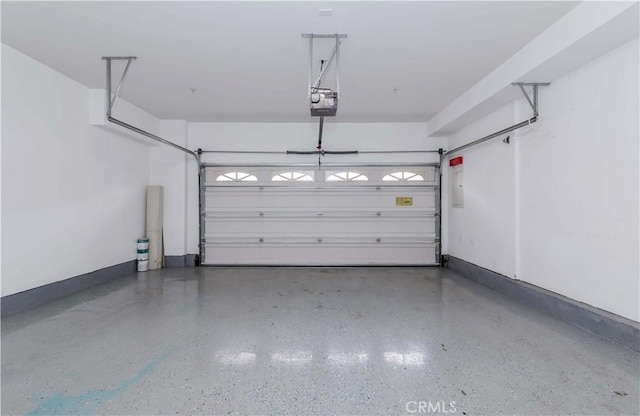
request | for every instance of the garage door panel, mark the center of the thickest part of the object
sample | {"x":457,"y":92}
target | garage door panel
{"x":312,"y":200}
{"x":323,"y":241}
{"x":397,"y":213}
{"x":317,"y":226}
{"x":312,"y":254}
{"x":373,"y":174}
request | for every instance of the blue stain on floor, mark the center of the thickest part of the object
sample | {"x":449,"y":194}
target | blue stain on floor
{"x":89,"y":402}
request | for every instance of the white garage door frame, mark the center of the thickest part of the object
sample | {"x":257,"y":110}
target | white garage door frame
{"x":318,"y":222}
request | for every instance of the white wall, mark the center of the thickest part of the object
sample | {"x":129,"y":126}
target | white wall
{"x":483,"y":232}
{"x":579,"y":186}
{"x":303,"y":136}
{"x":169,"y":169}
{"x":73,"y":195}
{"x":559,"y":207}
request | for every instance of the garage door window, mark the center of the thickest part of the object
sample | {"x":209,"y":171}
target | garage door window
{"x":403,"y":176}
{"x":236,"y":177}
{"x":292,"y":176}
{"x":347,"y":176}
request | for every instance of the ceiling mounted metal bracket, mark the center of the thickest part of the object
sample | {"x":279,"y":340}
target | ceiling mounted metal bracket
{"x":323,"y":71}
{"x":334,"y":55}
{"x":324,"y":35}
{"x":532,"y":102}
{"x":111,"y":100}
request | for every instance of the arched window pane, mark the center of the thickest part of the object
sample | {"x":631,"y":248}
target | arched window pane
{"x":292,"y":176}
{"x":403,"y":176}
{"x":236,"y":177}
{"x":347,"y":176}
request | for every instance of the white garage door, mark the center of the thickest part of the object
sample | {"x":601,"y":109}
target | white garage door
{"x":347,"y":215}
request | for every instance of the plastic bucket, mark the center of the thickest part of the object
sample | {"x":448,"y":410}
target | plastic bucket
{"x":143,"y":244}
{"x":143,"y":254}
{"x":143,"y":265}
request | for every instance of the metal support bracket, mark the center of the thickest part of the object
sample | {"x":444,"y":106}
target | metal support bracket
{"x":316,"y":85}
{"x":111,"y":100}
{"x":532,"y":102}
{"x":335,"y":54}
{"x":324,"y":35}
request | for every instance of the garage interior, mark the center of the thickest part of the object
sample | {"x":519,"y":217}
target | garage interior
{"x":344,"y":207}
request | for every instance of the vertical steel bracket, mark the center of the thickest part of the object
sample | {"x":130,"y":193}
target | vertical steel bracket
{"x":533,"y":102}
{"x":335,"y":54}
{"x":111,"y":100}
{"x":201,"y":208}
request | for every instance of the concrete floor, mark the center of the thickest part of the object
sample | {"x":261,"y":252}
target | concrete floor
{"x":365,"y":341}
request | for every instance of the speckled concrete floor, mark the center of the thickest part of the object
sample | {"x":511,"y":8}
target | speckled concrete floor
{"x":365,"y":341}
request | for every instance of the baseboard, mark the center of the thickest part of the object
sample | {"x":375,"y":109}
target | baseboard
{"x":174,"y":261}
{"x":31,"y":298}
{"x":598,"y":321}
{"x":188,"y":260}
{"x":192,"y":260}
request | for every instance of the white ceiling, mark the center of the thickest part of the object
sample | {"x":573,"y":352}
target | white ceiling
{"x":402,"y":61}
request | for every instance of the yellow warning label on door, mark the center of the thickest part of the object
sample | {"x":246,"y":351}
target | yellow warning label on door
{"x":404,"y":201}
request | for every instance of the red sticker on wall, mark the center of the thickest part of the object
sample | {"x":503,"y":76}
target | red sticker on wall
{"x":456,"y":161}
